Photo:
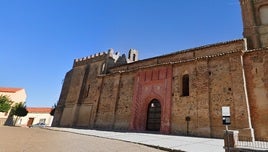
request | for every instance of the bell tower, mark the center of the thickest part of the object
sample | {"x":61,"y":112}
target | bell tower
{"x":255,"y":21}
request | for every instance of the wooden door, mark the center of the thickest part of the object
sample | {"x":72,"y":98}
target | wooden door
{"x":154,"y":116}
{"x":30,"y":122}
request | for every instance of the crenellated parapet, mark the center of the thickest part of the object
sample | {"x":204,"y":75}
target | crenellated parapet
{"x":90,"y":59}
{"x":111,"y":58}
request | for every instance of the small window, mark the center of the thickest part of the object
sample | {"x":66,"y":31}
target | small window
{"x":103,"y":67}
{"x":264,"y":14}
{"x":134,"y":57}
{"x":42,"y":121}
{"x":88,"y":88}
{"x":185,"y":85}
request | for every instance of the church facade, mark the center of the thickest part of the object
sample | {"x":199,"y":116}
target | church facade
{"x":179,"y":93}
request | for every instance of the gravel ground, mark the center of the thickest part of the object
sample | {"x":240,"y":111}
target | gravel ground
{"x":20,"y":139}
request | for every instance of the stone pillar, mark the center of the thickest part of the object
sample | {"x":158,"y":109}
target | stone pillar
{"x":230,"y":140}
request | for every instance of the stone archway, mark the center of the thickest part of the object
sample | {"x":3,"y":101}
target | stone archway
{"x":152,"y":84}
{"x":154,"y":116}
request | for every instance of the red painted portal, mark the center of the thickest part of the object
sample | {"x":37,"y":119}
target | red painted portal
{"x":152,"y":84}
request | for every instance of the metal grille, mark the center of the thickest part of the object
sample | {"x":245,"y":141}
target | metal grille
{"x":247,"y":142}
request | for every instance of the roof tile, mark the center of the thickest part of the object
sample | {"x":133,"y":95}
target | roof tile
{"x":11,"y":90}
{"x":39,"y":109}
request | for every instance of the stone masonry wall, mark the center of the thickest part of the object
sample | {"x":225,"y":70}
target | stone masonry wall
{"x":185,"y":55}
{"x":256,"y":63}
{"x":72,"y":98}
{"x":214,"y":82}
{"x":222,"y":74}
{"x":221,"y":93}
{"x":94,"y":88}
{"x":201,"y":89}
{"x":124,"y":102}
{"x":107,"y":102}
{"x":81,"y":97}
{"x":62,"y":99}
{"x":120,"y":100}
{"x":83,"y":115}
{"x":76,"y":83}
{"x":86,"y":114}
{"x":183,"y":106}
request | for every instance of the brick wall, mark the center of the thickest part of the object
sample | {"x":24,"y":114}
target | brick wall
{"x":256,"y":64}
{"x":120,"y":100}
{"x":124,"y":102}
{"x":154,"y":83}
{"x":107,"y":102}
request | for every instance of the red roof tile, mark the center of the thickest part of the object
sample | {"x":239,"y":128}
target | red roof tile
{"x":11,"y":90}
{"x":38,"y":110}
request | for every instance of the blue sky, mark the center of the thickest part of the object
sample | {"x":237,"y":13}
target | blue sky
{"x":39,"y":39}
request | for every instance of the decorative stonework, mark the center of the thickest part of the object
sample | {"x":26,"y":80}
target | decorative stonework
{"x":152,"y":84}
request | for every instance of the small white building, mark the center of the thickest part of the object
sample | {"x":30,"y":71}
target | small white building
{"x":36,"y":115}
{"x":17,"y":95}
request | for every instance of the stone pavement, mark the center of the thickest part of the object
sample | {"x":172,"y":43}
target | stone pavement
{"x":165,"y":142}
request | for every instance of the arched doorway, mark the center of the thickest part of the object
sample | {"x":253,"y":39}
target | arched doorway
{"x":154,"y":116}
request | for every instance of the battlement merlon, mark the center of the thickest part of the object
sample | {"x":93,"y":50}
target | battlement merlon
{"x":110,"y":54}
{"x":89,"y":59}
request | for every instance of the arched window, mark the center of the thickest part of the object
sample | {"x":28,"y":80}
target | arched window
{"x":264,"y":14}
{"x":134,"y":57}
{"x":87,"y":91}
{"x":103,"y":67}
{"x":185,"y":85}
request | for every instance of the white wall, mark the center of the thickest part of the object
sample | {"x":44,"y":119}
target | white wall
{"x":37,"y":117}
{"x":17,"y":97}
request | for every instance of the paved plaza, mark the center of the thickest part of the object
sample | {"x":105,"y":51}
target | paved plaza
{"x":22,"y":139}
{"x":169,"y":142}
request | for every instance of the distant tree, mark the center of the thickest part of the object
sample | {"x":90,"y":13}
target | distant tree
{"x":19,"y":110}
{"x":53,"y":109}
{"x":5,"y":103}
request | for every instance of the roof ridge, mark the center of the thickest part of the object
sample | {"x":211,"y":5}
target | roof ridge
{"x":9,"y":89}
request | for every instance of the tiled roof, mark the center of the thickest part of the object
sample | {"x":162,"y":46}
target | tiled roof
{"x":39,"y":109}
{"x":11,"y":90}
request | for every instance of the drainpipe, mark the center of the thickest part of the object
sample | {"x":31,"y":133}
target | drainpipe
{"x":246,"y":92}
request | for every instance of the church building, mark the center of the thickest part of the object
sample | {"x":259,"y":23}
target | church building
{"x":180,"y":93}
